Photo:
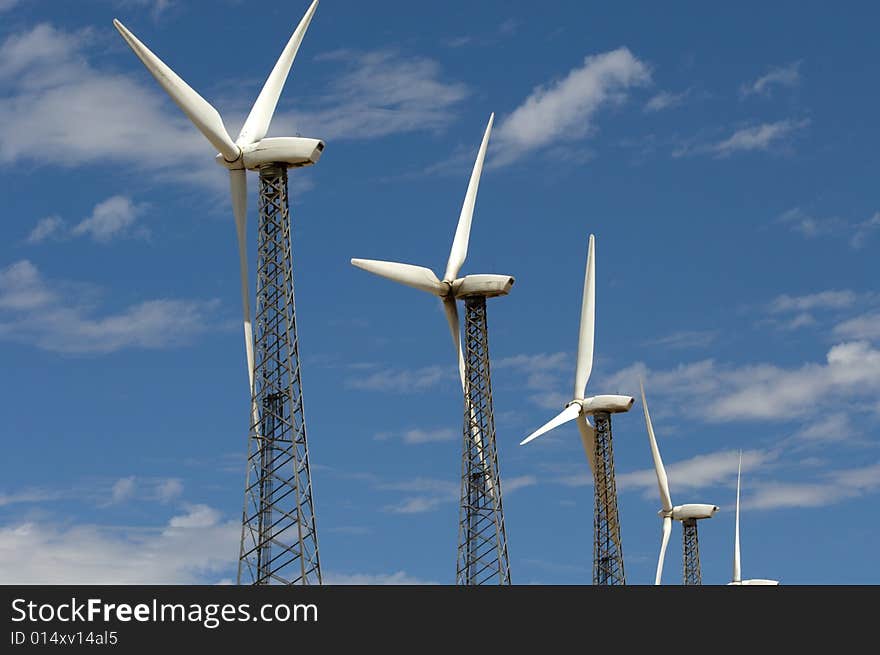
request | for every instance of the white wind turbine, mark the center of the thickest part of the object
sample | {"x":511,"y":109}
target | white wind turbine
{"x":451,"y":286}
{"x":687,"y":514}
{"x":248,"y":152}
{"x":737,"y":575}
{"x":597,"y":442}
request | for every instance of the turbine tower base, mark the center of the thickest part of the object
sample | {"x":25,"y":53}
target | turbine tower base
{"x":279,"y":544}
{"x":691,"y":551}
{"x":482,"y":538}
{"x":607,"y":550}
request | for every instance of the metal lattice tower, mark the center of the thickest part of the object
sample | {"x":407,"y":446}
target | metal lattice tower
{"x":279,"y":543}
{"x":691,"y":553}
{"x":482,"y":539}
{"x":607,"y":550}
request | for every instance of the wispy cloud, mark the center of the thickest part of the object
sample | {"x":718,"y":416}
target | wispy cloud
{"x":831,"y":299}
{"x":831,"y":487}
{"x":866,"y":326}
{"x":421,"y":495}
{"x":758,"y":137}
{"x":420,"y":436}
{"x":111,"y":219}
{"x":763,"y":391}
{"x":396,"y":578}
{"x":665,"y":100}
{"x":782,"y":76}
{"x":34,"y":310}
{"x":377,"y":93}
{"x":568,"y":106}
{"x":686,"y":339}
{"x":859,"y":233}
{"x":400,"y":380}
{"x":122,"y":490}
{"x":698,"y":472}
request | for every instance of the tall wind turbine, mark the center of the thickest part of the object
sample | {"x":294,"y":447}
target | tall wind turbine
{"x":482,"y":543}
{"x":687,"y":514}
{"x":737,"y":574}
{"x":278,"y":540}
{"x":607,"y":548}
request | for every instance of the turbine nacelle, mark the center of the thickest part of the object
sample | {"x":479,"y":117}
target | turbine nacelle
{"x":294,"y":151}
{"x":487,"y":285}
{"x":695,"y":511}
{"x":606,"y":403}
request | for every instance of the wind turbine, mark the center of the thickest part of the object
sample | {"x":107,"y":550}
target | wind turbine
{"x":687,"y":514}
{"x":737,"y":575}
{"x":482,"y":549}
{"x":607,"y":549}
{"x":278,"y":542}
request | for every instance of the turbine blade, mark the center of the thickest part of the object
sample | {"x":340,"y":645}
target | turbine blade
{"x":588,"y":439}
{"x":257,"y":123}
{"x":667,"y":528}
{"x":238,"y":187}
{"x":568,"y":414}
{"x":737,"y":574}
{"x":197,"y":109}
{"x":451,"y":309}
{"x":588,"y":324}
{"x":458,"y":253}
{"x":659,"y":469}
{"x":417,"y":277}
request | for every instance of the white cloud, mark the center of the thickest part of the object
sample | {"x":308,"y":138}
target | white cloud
{"x":563,"y":111}
{"x":810,"y":226}
{"x":420,"y":436}
{"x":544,"y":373}
{"x":686,"y":339}
{"x":724,"y":393}
{"x":123,"y":489}
{"x":378,"y":93}
{"x":787,"y":76}
{"x":831,"y":299}
{"x":400,"y":380}
{"x":831,"y":488}
{"x":698,"y":472}
{"x":50,"y":227}
{"x":6,"y":5}
{"x":757,"y":137}
{"x":33,"y":310}
{"x":192,"y":548}
{"x":111,"y":218}
{"x":168,"y":490}
{"x":665,"y":100}
{"x":864,"y":230}
{"x":866,"y":326}
{"x":424,"y":495}
{"x":29,"y":496}
{"x":512,"y":484}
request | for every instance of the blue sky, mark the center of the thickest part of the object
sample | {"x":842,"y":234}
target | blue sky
{"x":724,"y":158}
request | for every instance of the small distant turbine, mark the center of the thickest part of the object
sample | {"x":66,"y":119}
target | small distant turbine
{"x":482,"y":548}
{"x":607,"y":549}
{"x":687,"y":514}
{"x":737,"y":576}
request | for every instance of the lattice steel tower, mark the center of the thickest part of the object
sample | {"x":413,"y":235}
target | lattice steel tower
{"x":482,"y":538}
{"x":607,"y":549}
{"x":691,"y":553}
{"x":279,"y":543}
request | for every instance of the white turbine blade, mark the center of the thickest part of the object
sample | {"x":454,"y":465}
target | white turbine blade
{"x":662,"y":480}
{"x":238,"y":186}
{"x":737,"y":574}
{"x":588,"y":439}
{"x":458,"y":253}
{"x":588,"y":324}
{"x":417,"y":277}
{"x":451,"y":309}
{"x":667,"y":528}
{"x":197,"y":109}
{"x":568,"y":414}
{"x":257,"y":123}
